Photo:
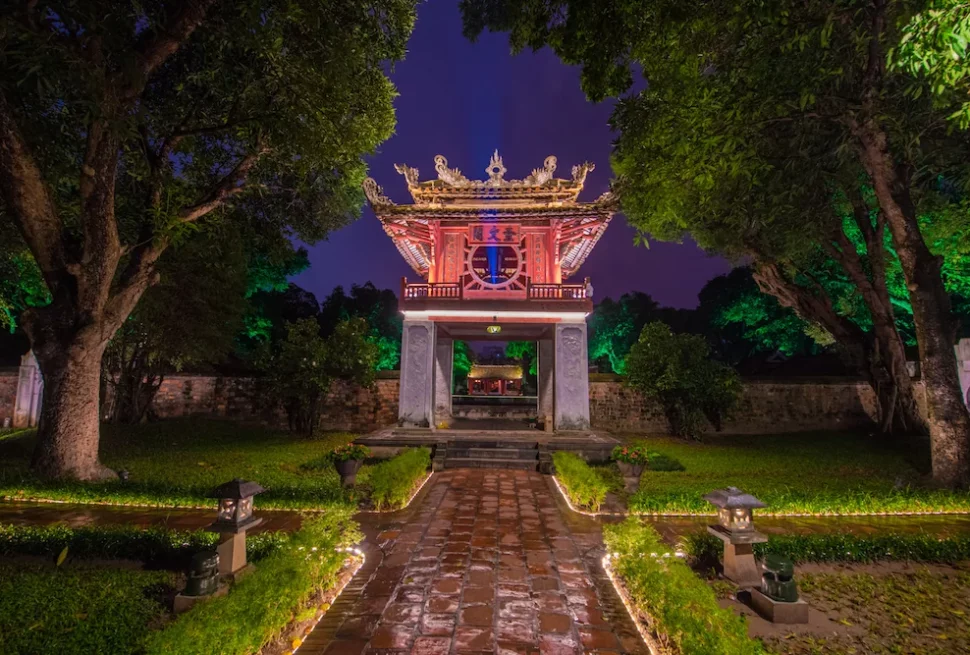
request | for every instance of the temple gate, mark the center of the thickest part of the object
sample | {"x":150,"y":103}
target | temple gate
{"x":493,"y":256}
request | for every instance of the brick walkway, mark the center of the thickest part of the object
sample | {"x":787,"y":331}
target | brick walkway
{"x":484,"y":562}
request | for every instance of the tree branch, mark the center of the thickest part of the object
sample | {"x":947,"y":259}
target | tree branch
{"x":28,"y":200}
{"x":156,"y":48}
{"x":232,"y":184}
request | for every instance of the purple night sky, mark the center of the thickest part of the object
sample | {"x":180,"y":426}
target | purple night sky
{"x":463,"y":100}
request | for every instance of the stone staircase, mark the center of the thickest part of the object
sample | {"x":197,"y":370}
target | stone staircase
{"x":491,"y":454}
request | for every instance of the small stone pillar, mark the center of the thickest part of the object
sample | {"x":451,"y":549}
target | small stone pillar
{"x":735,"y":527}
{"x":415,"y":406}
{"x":234,"y":518}
{"x":444,"y":352}
{"x":546,"y":364}
{"x":571,"y":377}
{"x":30,"y":393}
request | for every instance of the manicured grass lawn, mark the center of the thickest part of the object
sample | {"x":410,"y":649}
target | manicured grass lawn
{"x":795,"y":473}
{"x":78,"y":609}
{"x":178,"y":462}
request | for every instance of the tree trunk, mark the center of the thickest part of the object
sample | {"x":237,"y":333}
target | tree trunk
{"x":68,"y":435}
{"x":948,"y":420}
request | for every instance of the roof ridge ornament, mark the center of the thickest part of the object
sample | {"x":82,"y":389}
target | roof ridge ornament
{"x":542,"y":175}
{"x":580,"y":171}
{"x":409,"y":172}
{"x":496,"y":170}
{"x":447,"y":175}
{"x":375,"y":193}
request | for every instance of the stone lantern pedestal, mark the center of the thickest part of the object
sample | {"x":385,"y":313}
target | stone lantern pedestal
{"x":739,"y":563}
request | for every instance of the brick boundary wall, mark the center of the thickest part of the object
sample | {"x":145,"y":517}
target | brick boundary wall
{"x":766,"y":406}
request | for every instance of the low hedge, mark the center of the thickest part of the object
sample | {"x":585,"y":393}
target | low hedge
{"x":393,"y":481}
{"x":261,"y":605}
{"x":583,"y":484}
{"x":843,"y":547}
{"x":681,"y":608}
{"x":156,"y":546}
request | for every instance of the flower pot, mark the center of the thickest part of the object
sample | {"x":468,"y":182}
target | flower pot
{"x":631,"y":470}
{"x":631,"y":475}
{"x":348,"y":471}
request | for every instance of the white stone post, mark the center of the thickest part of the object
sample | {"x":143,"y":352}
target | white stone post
{"x":963,"y":367}
{"x":443,"y":380}
{"x":415,"y":408}
{"x":546,"y":365}
{"x":571,"y":377}
{"x":30,"y":393}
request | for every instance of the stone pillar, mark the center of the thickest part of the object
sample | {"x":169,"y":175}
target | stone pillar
{"x":571,"y":377}
{"x":443,"y":380}
{"x":963,"y":367}
{"x":30,"y":393}
{"x":546,"y":353}
{"x":415,"y":406}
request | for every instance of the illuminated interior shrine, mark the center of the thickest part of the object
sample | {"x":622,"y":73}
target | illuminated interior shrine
{"x":493,"y":257}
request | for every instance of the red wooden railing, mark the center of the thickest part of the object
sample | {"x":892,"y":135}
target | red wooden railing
{"x":426,"y":290}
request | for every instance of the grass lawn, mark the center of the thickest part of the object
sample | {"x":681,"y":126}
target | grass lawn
{"x":795,"y":473}
{"x":78,"y":609}
{"x":925,"y":610}
{"x":178,"y":462}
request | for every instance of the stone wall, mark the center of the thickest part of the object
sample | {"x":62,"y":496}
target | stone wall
{"x":765,"y":407}
{"x":347,"y":407}
{"x":8,"y":393}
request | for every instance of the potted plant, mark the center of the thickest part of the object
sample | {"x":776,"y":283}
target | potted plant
{"x":348,"y":459}
{"x":631,"y":460}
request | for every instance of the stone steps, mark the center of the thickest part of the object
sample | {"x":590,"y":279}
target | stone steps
{"x":462,"y":453}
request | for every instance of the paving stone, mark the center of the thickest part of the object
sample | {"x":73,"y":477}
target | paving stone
{"x":484,"y":562}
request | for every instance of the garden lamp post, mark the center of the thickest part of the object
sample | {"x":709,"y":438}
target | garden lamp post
{"x":735,"y":527}
{"x":234,"y":518}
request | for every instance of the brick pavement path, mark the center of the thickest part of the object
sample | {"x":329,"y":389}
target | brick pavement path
{"x":486,"y":561}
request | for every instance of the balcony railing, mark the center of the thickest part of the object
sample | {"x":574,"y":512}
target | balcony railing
{"x":426,"y":290}
{"x":556,"y":292}
{"x":454,"y":291}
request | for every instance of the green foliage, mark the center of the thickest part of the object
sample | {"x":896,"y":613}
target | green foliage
{"x":614,"y":326}
{"x":807,"y":473}
{"x":461,"y":365}
{"x":933,"y":47}
{"x":526,"y":352}
{"x":155,"y":546}
{"x":584,"y":485}
{"x":21,"y":283}
{"x":683,"y":608}
{"x":263,"y":603}
{"x":379,"y":308}
{"x":631,"y":455}
{"x":749,"y":321}
{"x":843,"y":548}
{"x":393,"y":481}
{"x":74,"y":610}
{"x":675,"y":370}
{"x":176,"y":463}
{"x":349,"y":452}
{"x":301,"y":371}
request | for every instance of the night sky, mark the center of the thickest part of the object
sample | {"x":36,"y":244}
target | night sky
{"x":463,"y":100}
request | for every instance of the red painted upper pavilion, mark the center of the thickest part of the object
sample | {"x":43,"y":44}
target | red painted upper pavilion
{"x":493,"y":256}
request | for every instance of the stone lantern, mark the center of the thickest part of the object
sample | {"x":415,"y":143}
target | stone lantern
{"x":735,"y":528}
{"x":234,"y":518}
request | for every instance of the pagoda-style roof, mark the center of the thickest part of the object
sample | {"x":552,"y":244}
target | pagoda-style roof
{"x":538,"y":199}
{"x":495,"y":371}
{"x":454,"y":195}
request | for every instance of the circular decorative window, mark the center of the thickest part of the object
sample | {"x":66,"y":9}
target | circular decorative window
{"x":495,"y":267}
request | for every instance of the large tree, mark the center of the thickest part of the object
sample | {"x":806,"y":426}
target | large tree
{"x":376,"y":306}
{"x":123,"y":123}
{"x":762,"y":125}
